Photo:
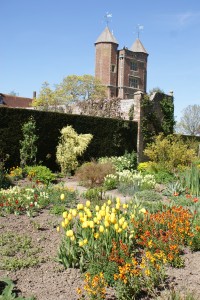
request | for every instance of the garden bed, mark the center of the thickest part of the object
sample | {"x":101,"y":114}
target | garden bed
{"x":45,"y":278}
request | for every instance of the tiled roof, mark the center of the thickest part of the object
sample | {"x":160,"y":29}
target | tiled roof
{"x":14,"y":101}
{"x":138,"y":47}
{"x":106,"y":37}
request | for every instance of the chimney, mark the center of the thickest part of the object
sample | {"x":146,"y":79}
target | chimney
{"x":34,"y":94}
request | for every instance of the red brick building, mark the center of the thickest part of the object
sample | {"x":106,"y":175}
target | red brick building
{"x":14,"y":101}
{"x":124,"y":71}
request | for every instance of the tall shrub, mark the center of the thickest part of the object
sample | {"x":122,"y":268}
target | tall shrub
{"x":71,"y":145}
{"x":28,"y":146}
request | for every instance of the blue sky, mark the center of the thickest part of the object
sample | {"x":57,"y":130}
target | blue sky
{"x":46,"y":40}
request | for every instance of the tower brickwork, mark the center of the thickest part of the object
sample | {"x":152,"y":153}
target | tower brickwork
{"x":124,"y":71}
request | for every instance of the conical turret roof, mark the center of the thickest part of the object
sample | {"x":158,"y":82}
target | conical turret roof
{"x":138,"y":47}
{"x":106,"y":37}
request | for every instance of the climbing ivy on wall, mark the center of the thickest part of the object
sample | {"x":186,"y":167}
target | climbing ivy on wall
{"x":158,"y":116}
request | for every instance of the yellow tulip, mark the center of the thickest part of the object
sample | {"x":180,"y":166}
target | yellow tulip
{"x":107,"y":217}
{"x":119,"y":230}
{"x":69,"y":217}
{"x":85,"y":224}
{"x":63,"y":224}
{"x":101,"y":228}
{"x":81,"y":243}
{"x":99,"y":217}
{"x":118,"y":200}
{"x":117,"y":206}
{"x":69,"y":233}
{"x":91,"y":224}
{"x":107,"y":209}
{"x":107,"y":224}
{"x":142,"y":210}
{"x":113,"y":210}
{"x":102,"y":213}
{"x":116,"y":226}
{"x":85,"y":241}
{"x":125,"y":225}
{"x":66,"y":221}
{"x":80,"y":214}
{"x":96,"y":235}
{"x":121,"y":221}
{"x":72,"y":238}
{"x":109,"y":202}
{"x":80,"y":206}
{"x":89,"y":214}
{"x":95,"y":220}
{"x":87,"y":203}
{"x":58,"y":228}
{"x":65,"y":214}
{"x":62,"y":196}
{"x":97,"y":207}
{"x":74,"y":212}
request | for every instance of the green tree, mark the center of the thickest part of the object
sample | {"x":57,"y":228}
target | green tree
{"x":71,"y":145}
{"x":73,"y":88}
{"x":28,"y":148}
{"x":190,"y":121}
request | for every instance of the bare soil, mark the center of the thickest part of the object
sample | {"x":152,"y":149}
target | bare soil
{"x":50,"y":281}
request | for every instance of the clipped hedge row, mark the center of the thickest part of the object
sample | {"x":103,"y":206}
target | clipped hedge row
{"x":110,"y":136}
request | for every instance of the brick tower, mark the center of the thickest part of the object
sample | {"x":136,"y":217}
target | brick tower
{"x":124,"y":71}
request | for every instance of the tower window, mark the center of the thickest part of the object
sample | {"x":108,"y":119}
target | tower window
{"x":134,"y":66}
{"x":113,"y":68}
{"x":133,"y":82}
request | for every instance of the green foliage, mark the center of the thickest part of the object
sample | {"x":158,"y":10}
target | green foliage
{"x":94,"y":194}
{"x":8,"y":293}
{"x":111,"y":137}
{"x":28,"y":146}
{"x":71,"y":145}
{"x":92,"y":173}
{"x":148,"y":195}
{"x":191,"y":179}
{"x":169,"y":153}
{"x":5,"y":182}
{"x":158,"y":116}
{"x":39,"y":173}
{"x":17,"y":251}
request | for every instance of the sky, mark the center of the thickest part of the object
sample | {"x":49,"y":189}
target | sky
{"x":47,"y":40}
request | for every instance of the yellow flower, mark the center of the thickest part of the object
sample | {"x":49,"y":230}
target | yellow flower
{"x":113,"y":210}
{"x":147,"y":272}
{"x":81,"y":243}
{"x":96,"y":235}
{"x":69,"y":233}
{"x":125,"y":225}
{"x":65,"y":214}
{"x":80,"y":214}
{"x":97,"y":207}
{"x":89,"y":214}
{"x":74,"y":212}
{"x":106,"y":223}
{"x":87,"y":203}
{"x":101,"y":228}
{"x":85,"y":224}
{"x":63,"y":224}
{"x":118,"y":200}
{"x":132,"y":216}
{"x":113,"y":218}
{"x":85,"y":241}
{"x":69,"y":217}
{"x":91,"y":224}
{"x":58,"y":228}
{"x":80,"y":206}
{"x":72,"y":238}
{"x":142,"y":210}
{"x":62,"y":196}
{"x":117,"y":206}
{"x":121,"y":221}
{"x":116,"y":226}
{"x":66,"y":222}
{"x":109,"y":202}
{"x":102,"y":213}
{"x":119,"y":230}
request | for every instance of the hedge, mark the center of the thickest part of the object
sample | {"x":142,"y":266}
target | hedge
{"x":110,"y":136}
